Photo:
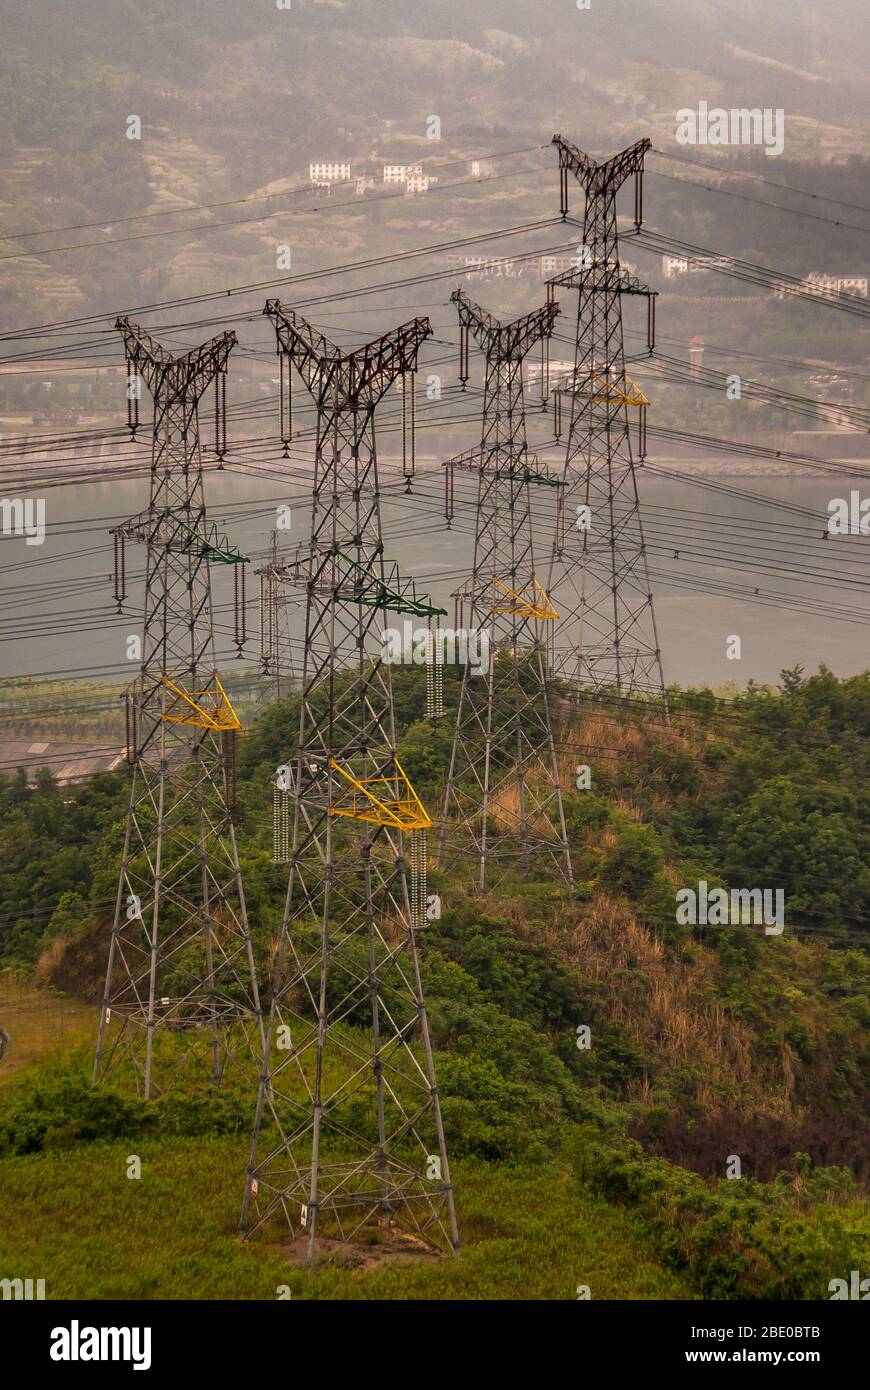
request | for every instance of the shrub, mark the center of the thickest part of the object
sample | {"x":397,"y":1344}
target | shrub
{"x":632,"y":865}
{"x":766,"y":1144}
{"x":61,"y":1108}
{"x":734,"y":1239}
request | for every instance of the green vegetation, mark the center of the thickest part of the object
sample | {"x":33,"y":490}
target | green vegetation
{"x":50,"y":838}
{"x":521,"y":1241}
{"x":603,"y":1166}
{"x":216,"y":86}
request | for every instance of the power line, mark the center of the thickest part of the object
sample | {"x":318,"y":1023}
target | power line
{"x":205,"y":227}
{"x":764,"y":203}
{"x":236,"y":202}
{"x":730,"y":171}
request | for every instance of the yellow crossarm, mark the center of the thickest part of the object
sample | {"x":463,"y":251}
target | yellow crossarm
{"x":609,"y":391}
{"x":206,"y":709}
{"x":524,"y":605}
{"x":368,"y":803}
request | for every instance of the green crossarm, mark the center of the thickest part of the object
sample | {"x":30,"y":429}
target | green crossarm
{"x":212,"y":546}
{"x":398,"y":595}
{"x":522,"y":473}
{"x":542,"y":478}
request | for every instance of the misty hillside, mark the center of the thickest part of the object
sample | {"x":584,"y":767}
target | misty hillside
{"x":235,"y":100}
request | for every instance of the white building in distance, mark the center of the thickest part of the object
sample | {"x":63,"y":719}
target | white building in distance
{"x":559,"y":372}
{"x":400,"y":173}
{"x":825,"y":285}
{"x":690,"y":265}
{"x":328,"y":171}
{"x":830,"y":285}
{"x":558,"y":265}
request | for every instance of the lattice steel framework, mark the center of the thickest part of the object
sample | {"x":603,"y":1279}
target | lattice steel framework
{"x":276,"y":659}
{"x":600,"y":573}
{"x":503,"y":803}
{"x":180,"y":960}
{"x":348,"y":1131}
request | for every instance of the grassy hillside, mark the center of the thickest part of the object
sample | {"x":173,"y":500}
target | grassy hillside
{"x":603,"y":1167}
{"x":236,"y":100}
{"x":527,"y":1236}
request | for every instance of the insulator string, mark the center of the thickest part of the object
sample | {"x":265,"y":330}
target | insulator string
{"x":132,"y":398}
{"x":285,"y":401}
{"x":120,"y":570}
{"x":240,"y":607}
{"x":220,"y":415}
{"x":448,"y":494}
{"x":280,"y":824}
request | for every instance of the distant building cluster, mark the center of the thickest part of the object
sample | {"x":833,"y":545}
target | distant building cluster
{"x":489,"y":267}
{"x":824,"y":285}
{"x":323,"y":173}
{"x":411,"y":175}
{"x":818,"y":282}
{"x":514,"y":267}
{"x":688,"y":265}
{"x":558,"y":265}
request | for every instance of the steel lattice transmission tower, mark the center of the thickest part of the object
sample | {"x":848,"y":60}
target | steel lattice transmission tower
{"x":180,"y":958}
{"x":348,"y":1130}
{"x":276,"y":660}
{"x":599,"y":570}
{"x":503,"y":785}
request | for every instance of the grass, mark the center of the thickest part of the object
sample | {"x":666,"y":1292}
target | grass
{"x":74,"y":1219}
{"x":41,"y":1025}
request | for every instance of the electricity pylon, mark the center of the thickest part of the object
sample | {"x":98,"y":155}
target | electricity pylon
{"x":599,"y":572}
{"x":276,"y":661}
{"x":348,"y":1130}
{"x":180,"y":959}
{"x":503,"y":784}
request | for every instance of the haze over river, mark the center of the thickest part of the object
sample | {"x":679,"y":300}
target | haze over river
{"x":58,"y":614}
